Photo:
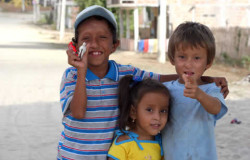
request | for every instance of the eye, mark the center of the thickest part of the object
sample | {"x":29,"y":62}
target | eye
{"x":103,"y":37}
{"x":164,"y":111}
{"x":197,"y":58}
{"x":85,"y":38}
{"x":149,"y":109}
{"x":181,"y":57}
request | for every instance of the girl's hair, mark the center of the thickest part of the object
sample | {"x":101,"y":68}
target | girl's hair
{"x":192,"y":34}
{"x":131,"y":91}
{"x":110,"y":26}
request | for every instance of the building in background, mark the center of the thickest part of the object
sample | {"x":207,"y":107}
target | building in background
{"x":220,"y":15}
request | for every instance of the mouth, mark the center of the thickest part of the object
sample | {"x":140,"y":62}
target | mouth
{"x":156,"y":126}
{"x":95,"y":53}
{"x":189,"y":73}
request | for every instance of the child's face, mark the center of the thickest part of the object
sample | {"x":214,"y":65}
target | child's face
{"x":190,"y":61}
{"x":151,"y":114}
{"x":99,"y":40}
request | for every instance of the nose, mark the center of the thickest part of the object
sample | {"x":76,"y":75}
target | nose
{"x":157,"y":116}
{"x":188,"y":63}
{"x":93,"y":43}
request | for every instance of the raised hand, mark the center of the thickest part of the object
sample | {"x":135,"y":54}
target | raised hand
{"x":191,"y":87}
{"x":76,"y":61}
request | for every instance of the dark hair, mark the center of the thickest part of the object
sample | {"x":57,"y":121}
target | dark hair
{"x":130,"y":93}
{"x":192,"y":34}
{"x":111,"y":28}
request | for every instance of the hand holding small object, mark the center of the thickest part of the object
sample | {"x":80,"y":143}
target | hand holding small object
{"x":82,"y":50}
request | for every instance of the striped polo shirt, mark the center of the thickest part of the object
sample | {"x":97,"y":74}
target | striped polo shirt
{"x":90,"y":138}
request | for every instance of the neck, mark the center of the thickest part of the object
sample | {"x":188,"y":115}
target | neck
{"x":143,"y":136}
{"x":99,"y":71}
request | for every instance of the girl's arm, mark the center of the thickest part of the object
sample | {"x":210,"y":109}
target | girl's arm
{"x":169,"y":77}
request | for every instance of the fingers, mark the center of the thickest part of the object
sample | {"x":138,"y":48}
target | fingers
{"x":72,"y":57}
{"x":225,"y":91}
{"x":188,"y":80}
{"x":222,"y":83}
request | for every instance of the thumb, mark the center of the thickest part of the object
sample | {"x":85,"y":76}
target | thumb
{"x":188,"y":79}
{"x":185,"y":78}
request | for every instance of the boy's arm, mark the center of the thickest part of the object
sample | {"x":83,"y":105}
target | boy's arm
{"x":169,"y":77}
{"x":78,"y":103}
{"x":211,"y":104}
{"x":219,"y":81}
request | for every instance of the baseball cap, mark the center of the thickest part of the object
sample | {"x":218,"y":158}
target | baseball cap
{"x":96,"y":10}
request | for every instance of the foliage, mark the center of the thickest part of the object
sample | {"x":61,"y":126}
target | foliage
{"x":246,"y":62}
{"x":86,"y":3}
{"x":242,"y":62}
{"x":18,"y":3}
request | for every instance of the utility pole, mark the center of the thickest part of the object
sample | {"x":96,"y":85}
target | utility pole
{"x":23,"y":5}
{"x":62,"y":24}
{"x":136,"y":28}
{"x":162,"y":31}
{"x":36,"y":10}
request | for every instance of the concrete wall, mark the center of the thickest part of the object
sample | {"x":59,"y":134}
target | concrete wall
{"x":235,"y":42}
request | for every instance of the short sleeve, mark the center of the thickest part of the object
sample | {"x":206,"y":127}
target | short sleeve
{"x":215,"y":92}
{"x":144,"y":74}
{"x":67,"y":88}
{"x":117,"y":152}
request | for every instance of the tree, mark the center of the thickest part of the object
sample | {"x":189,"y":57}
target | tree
{"x":86,"y":3}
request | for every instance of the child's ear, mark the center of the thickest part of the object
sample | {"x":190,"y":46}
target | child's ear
{"x":115,"y":45}
{"x":133,"y":112}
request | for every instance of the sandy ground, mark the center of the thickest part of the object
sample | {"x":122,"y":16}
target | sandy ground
{"x":32,"y":61}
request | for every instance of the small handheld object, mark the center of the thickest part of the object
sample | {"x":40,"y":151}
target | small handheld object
{"x":72,"y":47}
{"x":82,"y":50}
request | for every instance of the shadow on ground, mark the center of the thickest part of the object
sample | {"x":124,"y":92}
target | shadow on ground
{"x":35,"y":45}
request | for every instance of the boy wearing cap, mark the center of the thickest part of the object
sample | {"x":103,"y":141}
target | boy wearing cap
{"x":88,"y":92}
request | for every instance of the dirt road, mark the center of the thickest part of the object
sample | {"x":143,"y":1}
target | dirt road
{"x":32,"y":61}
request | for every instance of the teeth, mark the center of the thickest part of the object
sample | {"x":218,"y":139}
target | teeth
{"x":96,"y":53}
{"x":156,"y":125}
{"x":188,"y":73}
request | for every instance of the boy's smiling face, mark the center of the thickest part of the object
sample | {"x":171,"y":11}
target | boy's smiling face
{"x":98,"y":37}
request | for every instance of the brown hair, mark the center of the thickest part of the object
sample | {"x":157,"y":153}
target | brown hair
{"x":130,"y":93}
{"x":192,"y":34}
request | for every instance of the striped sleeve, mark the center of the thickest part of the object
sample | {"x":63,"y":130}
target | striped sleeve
{"x":131,"y":70}
{"x":144,"y":74}
{"x":67,"y":88}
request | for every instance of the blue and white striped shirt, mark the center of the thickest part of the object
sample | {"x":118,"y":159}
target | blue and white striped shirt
{"x":90,"y":138}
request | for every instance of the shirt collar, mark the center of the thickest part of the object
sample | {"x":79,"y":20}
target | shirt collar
{"x":112,"y":72}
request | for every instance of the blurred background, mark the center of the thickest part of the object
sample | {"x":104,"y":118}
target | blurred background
{"x":33,"y":39}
